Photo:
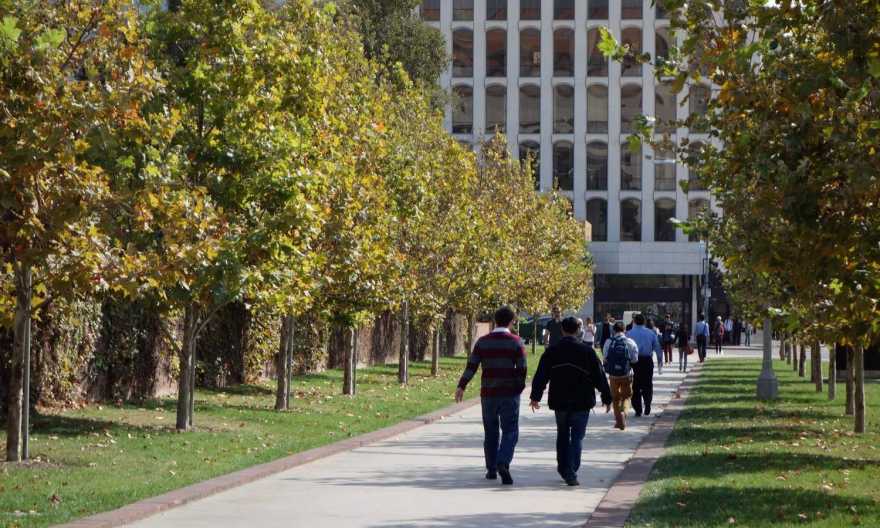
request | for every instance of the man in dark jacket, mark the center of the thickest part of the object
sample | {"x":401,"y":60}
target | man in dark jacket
{"x":574,"y":373}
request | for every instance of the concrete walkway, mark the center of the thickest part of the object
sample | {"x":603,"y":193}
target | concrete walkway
{"x":433,"y":477}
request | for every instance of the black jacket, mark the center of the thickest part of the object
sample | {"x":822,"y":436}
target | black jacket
{"x":574,"y":373}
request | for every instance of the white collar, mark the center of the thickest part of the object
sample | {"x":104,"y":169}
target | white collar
{"x":501,"y":329}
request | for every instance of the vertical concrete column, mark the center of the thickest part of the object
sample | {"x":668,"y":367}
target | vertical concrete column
{"x":614,"y":130}
{"x":580,"y":110}
{"x":479,"y":70}
{"x":546,"y":96}
{"x":648,"y":109}
{"x":446,"y":76}
{"x":513,"y":77}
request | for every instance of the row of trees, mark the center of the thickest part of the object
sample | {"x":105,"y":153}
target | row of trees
{"x":197,"y":154}
{"x":793,"y":161}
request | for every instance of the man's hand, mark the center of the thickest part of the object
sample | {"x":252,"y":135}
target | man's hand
{"x":459,"y":395}
{"x":607,"y":408}
{"x":534,"y":405}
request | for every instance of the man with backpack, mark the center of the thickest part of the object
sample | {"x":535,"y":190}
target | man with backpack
{"x":574,"y":373}
{"x":643,"y":371}
{"x":620,"y":352}
{"x":667,"y":339}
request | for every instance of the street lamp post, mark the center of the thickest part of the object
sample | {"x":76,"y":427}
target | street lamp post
{"x":768,"y":385}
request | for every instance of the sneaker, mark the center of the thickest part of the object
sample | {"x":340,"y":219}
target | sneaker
{"x":572,"y":482}
{"x":638,"y":414}
{"x":491,"y":475}
{"x":647,"y":411}
{"x":504,"y":471}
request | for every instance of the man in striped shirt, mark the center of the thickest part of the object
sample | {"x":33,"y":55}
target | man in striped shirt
{"x":503,"y":359}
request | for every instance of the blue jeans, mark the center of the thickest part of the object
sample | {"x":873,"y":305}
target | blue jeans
{"x":500,"y":412}
{"x":571,"y":426}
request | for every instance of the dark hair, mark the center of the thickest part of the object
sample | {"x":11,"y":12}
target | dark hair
{"x":639,"y":319}
{"x":504,"y":315}
{"x":650,"y":323}
{"x":570,"y":325}
{"x":701,"y":317}
{"x":619,"y":327}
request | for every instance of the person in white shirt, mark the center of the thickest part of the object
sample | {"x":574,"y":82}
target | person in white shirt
{"x":588,"y":332}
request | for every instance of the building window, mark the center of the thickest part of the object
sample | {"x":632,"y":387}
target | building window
{"x":463,"y":110}
{"x":563,"y":166}
{"x":430,"y":10}
{"x":563,"y":10}
{"x":597,"y":109}
{"x":563,"y":53}
{"x":597,"y":63}
{"x":496,"y":9}
{"x":597,"y":9}
{"x":631,"y":67}
{"x":665,"y":105}
{"x":563,"y":109}
{"x":496,"y":53}
{"x":695,"y":209}
{"x":530,"y":10}
{"x":660,"y":9}
{"x":631,"y":9}
{"x":664,"y":212}
{"x":698,"y":99}
{"x":631,"y":220}
{"x":664,"y":170}
{"x":630,"y":168}
{"x":530,"y":109}
{"x":462,"y":53}
{"x":630,"y":106}
{"x":496,"y":108}
{"x":597,"y":216}
{"x":661,"y":45}
{"x":597,"y":166}
{"x":530,"y":158}
{"x":463,"y":10}
{"x":530,"y":53}
{"x":695,"y":182}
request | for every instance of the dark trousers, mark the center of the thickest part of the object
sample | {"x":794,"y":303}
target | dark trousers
{"x":503,"y":413}
{"x":571,"y":426}
{"x":701,"y":347}
{"x":643,"y":384}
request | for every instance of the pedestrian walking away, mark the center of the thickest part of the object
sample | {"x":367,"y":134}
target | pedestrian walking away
{"x":643,"y":371}
{"x":684,"y":346}
{"x":553,"y":329}
{"x":719,"y":336}
{"x":620,"y":353}
{"x":748,"y":331}
{"x":701,"y":331}
{"x":574,"y":373}
{"x":667,"y":338}
{"x":502,"y":356}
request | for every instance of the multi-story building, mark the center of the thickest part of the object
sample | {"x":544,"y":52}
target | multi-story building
{"x":532,"y":69}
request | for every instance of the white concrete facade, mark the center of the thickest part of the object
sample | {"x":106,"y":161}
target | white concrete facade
{"x":615,"y":253}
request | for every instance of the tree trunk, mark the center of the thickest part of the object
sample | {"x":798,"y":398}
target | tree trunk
{"x":787,"y":345}
{"x":802,"y":360}
{"x":435,"y":352}
{"x":186,"y":381}
{"x":18,"y":402}
{"x":859,"y":389}
{"x":535,"y":333}
{"x":471,"y":330}
{"x":816,"y":364}
{"x":349,"y":384}
{"x":850,"y":405}
{"x":832,"y":373}
{"x":282,"y":365}
{"x":781,"y":348}
{"x":794,"y":356}
{"x":403,"y":360}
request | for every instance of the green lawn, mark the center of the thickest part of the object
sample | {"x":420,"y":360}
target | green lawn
{"x":102,"y":457}
{"x":735,"y":461}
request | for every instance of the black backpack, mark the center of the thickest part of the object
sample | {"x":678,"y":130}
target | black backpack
{"x":617,"y":359}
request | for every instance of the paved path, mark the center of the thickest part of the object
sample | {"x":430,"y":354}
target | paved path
{"x":433,"y":477}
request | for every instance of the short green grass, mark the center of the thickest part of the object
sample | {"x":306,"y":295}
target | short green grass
{"x":102,"y":457}
{"x":734,"y":461}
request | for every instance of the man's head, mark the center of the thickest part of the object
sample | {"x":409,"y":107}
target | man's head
{"x":701,"y":317}
{"x":668,"y":317}
{"x":639,"y":319}
{"x":619,"y":327}
{"x":504,"y":316}
{"x":570,"y":326}
{"x":557,"y":313}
